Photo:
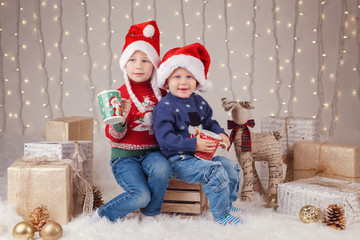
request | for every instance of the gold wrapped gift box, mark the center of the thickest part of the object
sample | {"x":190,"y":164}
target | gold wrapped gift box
{"x":80,"y":155}
{"x":70,"y":128}
{"x":326,"y":159}
{"x":32,"y":184}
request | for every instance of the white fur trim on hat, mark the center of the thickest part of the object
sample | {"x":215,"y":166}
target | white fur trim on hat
{"x":192,"y":64}
{"x":141,"y":46}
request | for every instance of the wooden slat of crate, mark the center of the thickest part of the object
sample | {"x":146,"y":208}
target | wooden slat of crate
{"x":182,"y":196}
{"x":178,"y":184}
{"x":183,"y":208}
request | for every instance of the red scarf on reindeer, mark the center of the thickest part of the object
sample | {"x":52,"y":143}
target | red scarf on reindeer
{"x":246,"y":135}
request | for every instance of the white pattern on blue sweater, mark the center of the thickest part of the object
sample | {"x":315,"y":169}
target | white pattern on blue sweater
{"x":172,"y":118}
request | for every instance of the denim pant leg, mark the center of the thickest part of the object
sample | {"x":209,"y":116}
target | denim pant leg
{"x":233,"y":171}
{"x":158,"y":170}
{"x":212,"y":174}
{"x":130,"y":176}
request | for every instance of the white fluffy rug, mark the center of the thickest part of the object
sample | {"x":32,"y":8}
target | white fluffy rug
{"x":259,"y":223}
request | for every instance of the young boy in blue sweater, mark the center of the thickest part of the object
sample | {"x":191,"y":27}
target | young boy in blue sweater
{"x":180,"y":116}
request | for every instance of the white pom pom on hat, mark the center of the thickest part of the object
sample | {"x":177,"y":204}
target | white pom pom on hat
{"x":149,"y":31}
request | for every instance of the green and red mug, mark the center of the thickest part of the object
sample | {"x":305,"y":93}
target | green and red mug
{"x":110,"y":106}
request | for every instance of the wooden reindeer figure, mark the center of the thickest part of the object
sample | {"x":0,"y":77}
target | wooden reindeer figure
{"x":251,"y":147}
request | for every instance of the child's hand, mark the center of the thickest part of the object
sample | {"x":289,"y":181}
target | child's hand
{"x":203,"y":145}
{"x":225,"y":139}
{"x":126,"y":106}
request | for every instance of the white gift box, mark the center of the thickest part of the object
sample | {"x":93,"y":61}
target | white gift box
{"x":292,"y":129}
{"x":65,"y":150}
{"x":320,"y":192}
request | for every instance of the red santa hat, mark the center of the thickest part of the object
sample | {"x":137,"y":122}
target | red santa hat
{"x":144,"y":37}
{"x":194,"y":57}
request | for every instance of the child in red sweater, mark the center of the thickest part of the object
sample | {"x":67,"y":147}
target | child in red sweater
{"x":136,"y":162}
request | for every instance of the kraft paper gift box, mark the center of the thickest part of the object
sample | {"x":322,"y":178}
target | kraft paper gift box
{"x":326,"y":159}
{"x":70,"y":129}
{"x":292,"y":129}
{"x":66,"y":150}
{"x":320,"y":192}
{"x":32,"y":184}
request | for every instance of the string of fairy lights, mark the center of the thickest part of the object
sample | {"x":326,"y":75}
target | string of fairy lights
{"x":321,"y":60}
{"x":2,"y":87}
{"x":357,"y":69}
{"x":19,"y":70}
{"x":340,"y":62}
{"x":252,"y":54}
{"x":231,"y":77}
{"x":279,"y":81}
{"x":42,"y":66}
{"x":49,"y":104}
{"x":203,"y":20}
{"x":59,"y":45}
{"x":154,"y":9}
{"x":132,"y":12}
{"x":295,"y":49}
{"x":88,"y":54}
{"x":182,"y":14}
{"x":108,"y":43}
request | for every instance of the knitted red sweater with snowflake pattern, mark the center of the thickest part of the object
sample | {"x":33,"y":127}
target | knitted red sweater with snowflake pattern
{"x":137,"y":136}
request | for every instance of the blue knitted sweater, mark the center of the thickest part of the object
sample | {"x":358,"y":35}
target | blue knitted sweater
{"x":178,"y":120}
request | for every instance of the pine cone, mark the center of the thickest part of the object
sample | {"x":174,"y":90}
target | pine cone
{"x":98,"y":201}
{"x":335,"y":217}
{"x":39,"y":217}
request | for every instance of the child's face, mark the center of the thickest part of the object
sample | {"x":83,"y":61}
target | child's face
{"x":139,"y":68}
{"x":181,"y":83}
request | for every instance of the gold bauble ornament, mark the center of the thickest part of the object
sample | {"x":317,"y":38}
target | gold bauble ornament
{"x":271,"y":201}
{"x":51,"y":231}
{"x":23,"y":230}
{"x":309,"y":214}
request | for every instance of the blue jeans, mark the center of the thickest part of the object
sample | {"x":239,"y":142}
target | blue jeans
{"x":144,"y":179}
{"x":221,"y":179}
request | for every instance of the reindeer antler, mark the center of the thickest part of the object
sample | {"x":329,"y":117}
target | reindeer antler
{"x":226,"y":104}
{"x":247,"y":105}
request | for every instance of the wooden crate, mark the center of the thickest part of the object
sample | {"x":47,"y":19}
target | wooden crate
{"x":184,"y":198}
